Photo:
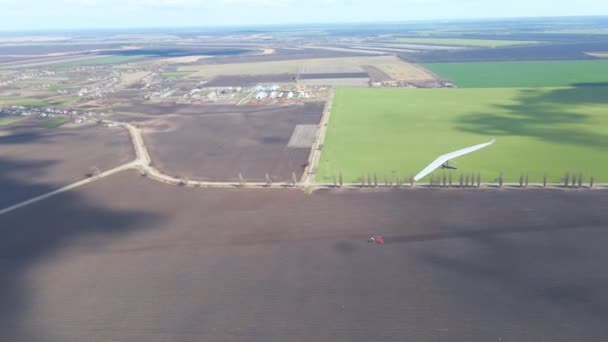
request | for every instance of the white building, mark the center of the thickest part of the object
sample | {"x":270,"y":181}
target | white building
{"x":261,"y":95}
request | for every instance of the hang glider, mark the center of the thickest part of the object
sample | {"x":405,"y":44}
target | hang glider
{"x":443,"y":161}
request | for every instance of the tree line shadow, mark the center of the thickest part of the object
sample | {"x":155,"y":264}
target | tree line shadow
{"x":545,"y":115}
{"x":34,"y":233}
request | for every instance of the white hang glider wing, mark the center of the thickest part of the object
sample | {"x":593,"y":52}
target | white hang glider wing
{"x":446,"y":157}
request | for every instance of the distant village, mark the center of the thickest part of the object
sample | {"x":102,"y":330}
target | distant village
{"x":43,"y":113}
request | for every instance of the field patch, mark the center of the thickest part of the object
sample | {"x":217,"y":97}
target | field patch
{"x":7,"y":120}
{"x":466,"y":42}
{"x":216,"y":143}
{"x":232,"y":81}
{"x":303,"y":136}
{"x":100,"y":61}
{"x":394,"y":67}
{"x":522,"y":74}
{"x":21,"y":101}
{"x":35,"y":160}
{"x":54,"y":123}
{"x":399,"y":131}
{"x":174,"y":74}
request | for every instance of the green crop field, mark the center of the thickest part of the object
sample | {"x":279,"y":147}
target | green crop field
{"x":465,"y":42}
{"x":400,"y":131}
{"x":522,"y":74}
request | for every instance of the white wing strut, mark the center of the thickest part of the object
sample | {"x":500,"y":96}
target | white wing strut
{"x":444,"y":158}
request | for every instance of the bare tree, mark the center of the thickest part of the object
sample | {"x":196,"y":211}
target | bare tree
{"x":526,"y":180}
{"x":294,"y":179}
{"x":591,"y":182}
{"x":369,"y":180}
{"x":450,"y":179}
{"x":412,"y":181}
{"x":461,"y":180}
{"x":545,"y":180}
{"x":580,"y":180}
{"x":398,"y":180}
{"x":340,"y":179}
{"x":268,"y":180}
{"x":501,"y":179}
{"x":375,"y":180}
{"x":335,"y":182}
{"x":566,"y":179}
{"x":466,"y":181}
{"x":478,"y":179}
{"x":242,"y":181}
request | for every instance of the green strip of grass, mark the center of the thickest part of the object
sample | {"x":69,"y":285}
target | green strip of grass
{"x":54,"y":123}
{"x":99,"y":61}
{"x":400,"y":131}
{"x":522,"y":74}
{"x":21,"y":101}
{"x":175,"y":74}
{"x":7,"y":120}
{"x":465,"y":42}
{"x":64,"y":100}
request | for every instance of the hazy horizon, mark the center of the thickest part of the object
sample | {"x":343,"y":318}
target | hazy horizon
{"x":40,"y":15}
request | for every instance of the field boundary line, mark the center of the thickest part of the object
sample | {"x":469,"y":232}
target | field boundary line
{"x":315,"y":151}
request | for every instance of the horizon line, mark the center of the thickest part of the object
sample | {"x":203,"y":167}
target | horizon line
{"x":301,"y":24}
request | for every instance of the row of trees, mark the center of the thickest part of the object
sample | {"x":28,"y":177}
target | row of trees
{"x":268,"y":180}
{"x":444,"y":180}
{"x":464,"y":180}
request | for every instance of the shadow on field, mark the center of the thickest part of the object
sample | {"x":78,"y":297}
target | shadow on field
{"x":20,"y":134}
{"x":29,"y":236}
{"x":528,"y":266}
{"x":544,"y":115}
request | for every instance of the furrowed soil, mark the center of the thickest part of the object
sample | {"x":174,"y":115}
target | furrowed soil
{"x":130,"y":259}
{"x":220,"y":142}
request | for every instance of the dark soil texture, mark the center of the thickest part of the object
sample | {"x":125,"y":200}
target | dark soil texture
{"x":220,"y":142}
{"x":249,"y":80}
{"x":333,"y":75}
{"x":130,"y":259}
{"x":50,"y":158}
{"x":558,"y":51}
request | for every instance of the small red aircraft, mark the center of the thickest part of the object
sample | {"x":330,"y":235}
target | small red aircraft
{"x":377,"y":239}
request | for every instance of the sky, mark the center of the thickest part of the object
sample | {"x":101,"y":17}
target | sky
{"x":93,"y":14}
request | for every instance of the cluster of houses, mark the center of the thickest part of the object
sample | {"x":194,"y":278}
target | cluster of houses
{"x":40,"y":112}
{"x":9,"y":79}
